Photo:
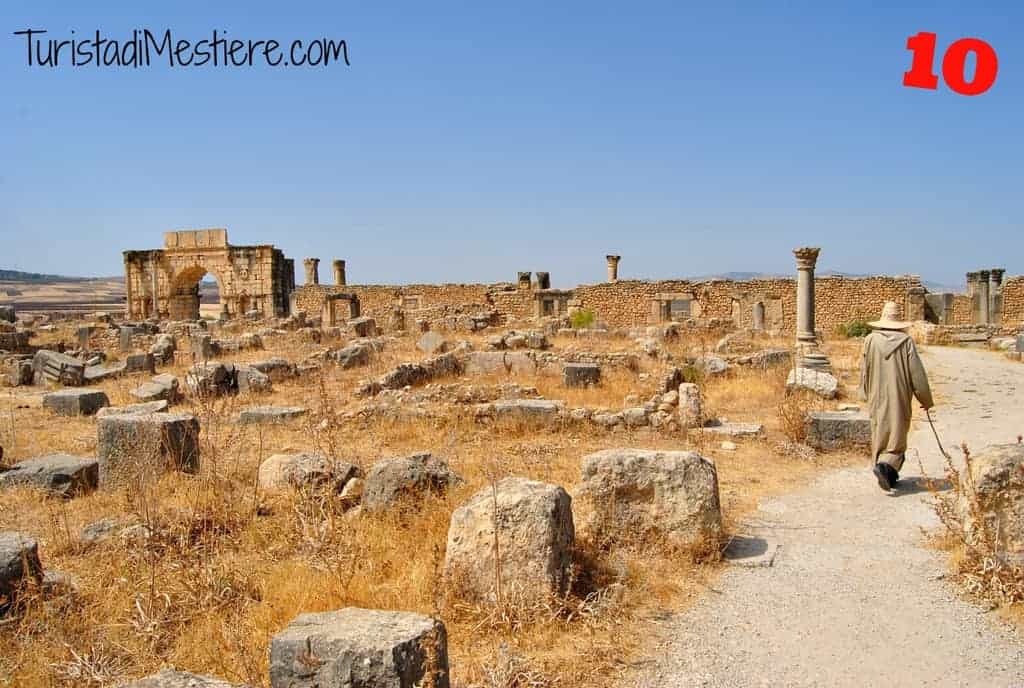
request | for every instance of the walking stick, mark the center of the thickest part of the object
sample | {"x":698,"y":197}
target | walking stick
{"x":931,"y":423}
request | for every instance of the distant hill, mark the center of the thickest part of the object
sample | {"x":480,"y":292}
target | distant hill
{"x":30,"y":277}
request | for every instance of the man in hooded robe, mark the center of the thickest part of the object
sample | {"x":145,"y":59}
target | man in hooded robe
{"x":891,"y":375}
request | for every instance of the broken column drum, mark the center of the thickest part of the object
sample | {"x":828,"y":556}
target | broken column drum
{"x":339,"y":272}
{"x":613,"y":268}
{"x":312,"y":266}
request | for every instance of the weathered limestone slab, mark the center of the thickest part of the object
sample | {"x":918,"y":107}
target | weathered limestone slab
{"x":647,"y":493}
{"x":277,"y":369}
{"x":160,"y":387}
{"x":526,"y":409}
{"x":353,"y":356}
{"x":211,"y":379}
{"x":248,"y":380}
{"x":134,"y":409}
{"x":75,"y":401}
{"x":406,"y":480}
{"x":50,"y":366}
{"x":691,"y":414}
{"x":535,"y":535}
{"x":130,"y":445}
{"x":998,"y":473}
{"x":837,"y":429}
{"x":19,"y":561}
{"x":305,"y":470}
{"x":61,"y":475}
{"x":360,"y":648}
{"x":734,"y":429}
{"x":581,"y":374}
{"x":19,"y":373}
{"x":363,"y":327}
{"x":823,"y":384}
{"x":507,"y":362}
{"x":140,"y":363}
{"x":269,"y":415}
{"x":170,"y":678}
{"x":164,"y":347}
{"x":432,"y":343}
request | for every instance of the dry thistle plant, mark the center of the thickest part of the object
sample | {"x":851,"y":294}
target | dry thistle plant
{"x":981,"y":567}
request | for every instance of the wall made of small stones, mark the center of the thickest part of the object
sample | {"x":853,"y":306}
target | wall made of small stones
{"x":1013,"y":301}
{"x":377,"y":301}
{"x":628,"y":303}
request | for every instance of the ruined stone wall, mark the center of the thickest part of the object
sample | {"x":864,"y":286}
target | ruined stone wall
{"x":377,"y":301}
{"x":636,"y":303}
{"x":626,"y":303}
{"x":962,"y":310}
{"x":1013,"y":301}
{"x":513,"y":303}
{"x":838,"y":300}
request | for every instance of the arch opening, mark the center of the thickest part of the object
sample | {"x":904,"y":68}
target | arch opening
{"x":195,"y":294}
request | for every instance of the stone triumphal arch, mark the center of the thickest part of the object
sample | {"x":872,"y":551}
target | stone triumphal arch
{"x":165,"y":282}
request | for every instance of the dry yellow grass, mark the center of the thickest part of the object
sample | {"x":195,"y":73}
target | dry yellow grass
{"x":227,"y":567}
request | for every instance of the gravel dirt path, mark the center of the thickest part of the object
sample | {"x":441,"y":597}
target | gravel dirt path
{"x":855,"y":597}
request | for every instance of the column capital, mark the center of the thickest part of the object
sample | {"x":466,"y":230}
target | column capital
{"x":983,"y":275}
{"x":972,"y":277}
{"x":806,"y":257}
{"x":997,"y":275}
{"x":612,"y":259}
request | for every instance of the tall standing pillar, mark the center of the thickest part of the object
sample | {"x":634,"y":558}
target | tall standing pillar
{"x":984,"y":317}
{"x":156,"y":287}
{"x":995,"y":296}
{"x":339,"y":272}
{"x":808,"y":353}
{"x":806,"y":259}
{"x":312,"y":266}
{"x":613,"y":268}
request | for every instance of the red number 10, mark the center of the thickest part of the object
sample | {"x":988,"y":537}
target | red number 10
{"x":953,"y":64}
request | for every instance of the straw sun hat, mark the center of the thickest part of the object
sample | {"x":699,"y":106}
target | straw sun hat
{"x":890,"y":319}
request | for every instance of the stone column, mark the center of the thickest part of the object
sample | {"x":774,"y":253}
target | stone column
{"x":543,"y":280}
{"x":156,"y":288}
{"x":339,"y":272}
{"x":806,"y":259}
{"x":808,"y":353}
{"x":995,"y":296}
{"x":524,"y":280}
{"x":613,"y":268}
{"x":129,"y":293}
{"x":984,"y":317}
{"x":312,"y":270}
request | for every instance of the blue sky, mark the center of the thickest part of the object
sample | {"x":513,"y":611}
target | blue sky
{"x":471,"y":140}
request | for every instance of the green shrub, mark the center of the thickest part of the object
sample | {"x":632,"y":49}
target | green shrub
{"x":856,"y":328}
{"x":582,"y":319}
{"x":692,"y":373}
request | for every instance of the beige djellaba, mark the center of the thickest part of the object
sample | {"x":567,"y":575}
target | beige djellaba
{"x":891,"y":375}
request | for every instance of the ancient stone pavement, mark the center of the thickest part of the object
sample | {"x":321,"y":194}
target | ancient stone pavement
{"x":855,"y":597}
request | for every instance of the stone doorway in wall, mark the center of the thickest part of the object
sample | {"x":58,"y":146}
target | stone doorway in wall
{"x":195,"y":294}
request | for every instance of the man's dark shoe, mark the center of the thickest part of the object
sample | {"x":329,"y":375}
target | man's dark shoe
{"x":894,"y":475}
{"x":883,"y":476}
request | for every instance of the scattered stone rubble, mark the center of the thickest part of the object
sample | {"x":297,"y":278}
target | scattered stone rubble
{"x":998,"y":476}
{"x":535,"y":535}
{"x":361,"y":648}
{"x":58,"y":474}
{"x":652,"y":494}
{"x":404,"y":481}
